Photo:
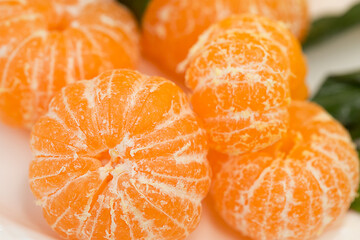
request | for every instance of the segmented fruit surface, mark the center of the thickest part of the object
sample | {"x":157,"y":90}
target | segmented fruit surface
{"x":46,"y":45}
{"x":275,"y":32}
{"x":240,"y":88}
{"x":170,"y":28}
{"x":121,"y":156}
{"x":294,"y":189}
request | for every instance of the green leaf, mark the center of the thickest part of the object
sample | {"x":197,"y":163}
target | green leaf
{"x":356,"y":203}
{"x":328,"y":26}
{"x":138,"y":7}
{"x":340,"y":96}
{"x":355,"y":134}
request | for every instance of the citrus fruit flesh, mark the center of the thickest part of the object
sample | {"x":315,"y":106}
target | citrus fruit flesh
{"x":46,"y":45}
{"x":274,"y":31}
{"x":121,"y":156}
{"x":240,"y":88}
{"x":294,"y":189}
{"x":170,"y":28}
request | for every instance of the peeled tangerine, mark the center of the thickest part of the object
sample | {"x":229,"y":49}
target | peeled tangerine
{"x":170,"y":28}
{"x":46,"y":45}
{"x":121,"y":156}
{"x":294,"y":189}
{"x":273,"y":31}
{"x":239,"y":77}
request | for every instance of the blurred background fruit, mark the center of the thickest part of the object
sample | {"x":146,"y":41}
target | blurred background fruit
{"x":46,"y":45}
{"x":170,"y":28}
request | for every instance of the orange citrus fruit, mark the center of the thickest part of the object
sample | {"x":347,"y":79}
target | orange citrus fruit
{"x":45,"y":45}
{"x":170,"y":28}
{"x":121,"y":156}
{"x":296,"y":188}
{"x":217,"y":160}
{"x":274,"y":31}
{"x":240,"y":89}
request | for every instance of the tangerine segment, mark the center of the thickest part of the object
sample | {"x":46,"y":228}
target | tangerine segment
{"x":170,"y":28}
{"x":296,"y":188}
{"x":276,"y":32}
{"x":116,"y":157}
{"x":240,"y":90}
{"x":49,"y":44}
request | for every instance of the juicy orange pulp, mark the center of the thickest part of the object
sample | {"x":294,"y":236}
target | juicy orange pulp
{"x":46,"y":45}
{"x":294,"y":189}
{"x":240,"y":83}
{"x":170,"y":28}
{"x":118,"y":157}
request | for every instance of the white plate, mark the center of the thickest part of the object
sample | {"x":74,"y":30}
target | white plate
{"x":20,"y":219}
